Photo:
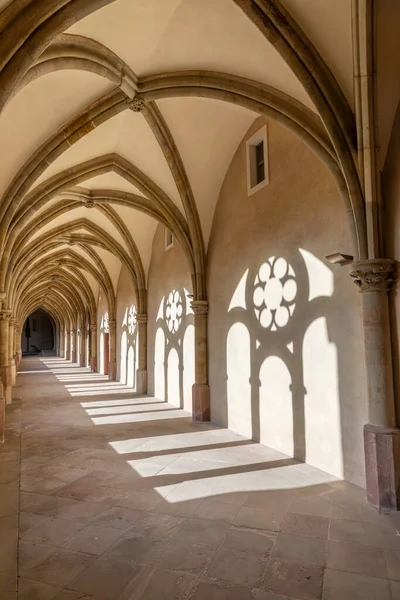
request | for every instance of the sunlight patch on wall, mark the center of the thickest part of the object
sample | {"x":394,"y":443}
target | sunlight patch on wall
{"x":322,"y":401}
{"x":238,"y":379}
{"x":239,"y":295}
{"x":320,"y":277}
{"x":276,"y":410}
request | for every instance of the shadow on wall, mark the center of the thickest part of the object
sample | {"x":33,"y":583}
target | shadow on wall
{"x":129,"y":358}
{"x":174,"y":350}
{"x":282,"y":361}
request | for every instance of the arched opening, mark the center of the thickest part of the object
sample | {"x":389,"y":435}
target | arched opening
{"x":37,"y":333}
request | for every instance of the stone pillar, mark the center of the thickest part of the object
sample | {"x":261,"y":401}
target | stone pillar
{"x":112,"y":365}
{"x":93,"y":357}
{"x":18,"y":349}
{"x":82,"y":347}
{"x":73,"y":345}
{"x":68,"y":345}
{"x":2,"y":414}
{"x":374,"y":277}
{"x":11,"y":352}
{"x":61,"y":343}
{"x":5,"y":373}
{"x":200,"y":389}
{"x":141,"y":373}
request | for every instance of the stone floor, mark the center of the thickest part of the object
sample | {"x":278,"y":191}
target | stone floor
{"x":123,"y":497}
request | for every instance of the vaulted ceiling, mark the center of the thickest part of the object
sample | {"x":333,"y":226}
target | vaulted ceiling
{"x":130,"y":116}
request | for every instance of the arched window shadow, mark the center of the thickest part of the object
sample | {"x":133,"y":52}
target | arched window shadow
{"x":276,"y":331}
{"x":128,"y":360}
{"x":174,"y":350}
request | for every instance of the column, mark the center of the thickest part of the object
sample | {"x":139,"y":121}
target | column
{"x":11,"y":353}
{"x":374,"y":278}
{"x":93,"y":357}
{"x":73,"y":345}
{"x":18,"y":349}
{"x":141,"y":373}
{"x":82,"y":347}
{"x":5,"y":373}
{"x":68,"y":345}
{"x":112,"y":364}
{"x":61,"y":342}
{"x":201,"y":389}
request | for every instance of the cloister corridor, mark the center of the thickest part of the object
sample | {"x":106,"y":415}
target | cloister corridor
{"x":124,"y":497}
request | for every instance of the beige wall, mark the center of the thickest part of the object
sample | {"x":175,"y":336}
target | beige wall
{"x":391,"y":194}
{"x":299,"y":389}
{"x":126,"y":331}
{"x":170,"y":340}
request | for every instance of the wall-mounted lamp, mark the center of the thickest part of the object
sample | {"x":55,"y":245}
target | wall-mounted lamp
{"x":340,"y":259}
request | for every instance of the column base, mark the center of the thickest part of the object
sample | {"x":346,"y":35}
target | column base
{"x":93,"y":364}
{"x":74,"y":356}
{"x":82,"y":360}
{"x":141,"y":381}
{"x":382,"y":465}
{"x":68,"y":355}
{"x":200,"y":402}
{"x":5,"y":376}
{"x":112,"y":371}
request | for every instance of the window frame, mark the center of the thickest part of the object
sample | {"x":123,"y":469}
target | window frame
{"x":252,"y":143}
{"x":167,"y":245}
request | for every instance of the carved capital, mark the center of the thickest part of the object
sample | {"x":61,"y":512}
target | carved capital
{"x":112,"y":324}
{"x":5,"y":315}
{"x":141,"y":318}
{"x":374,"y":275}
{"x":68,"y":332}
{"x":93,"y":328}
{"x":199,"y":307}
{"x":137,"y":104}
{"x":13,"y":321}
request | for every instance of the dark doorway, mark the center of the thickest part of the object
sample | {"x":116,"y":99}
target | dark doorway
{"x":38,"y":333}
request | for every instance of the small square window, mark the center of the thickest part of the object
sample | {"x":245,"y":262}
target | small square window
{"x":257,"y":161}
{"x":169,"y":239}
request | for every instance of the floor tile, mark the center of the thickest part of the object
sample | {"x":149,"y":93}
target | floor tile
{"x":307,"y":525}
{"x":178,"y":555}
{"x":299,"y":548}
{"x":240,"y":568}
{"x":293,"y":579}
{"x":138,"y":548}
{"x":256,"y":518}
{"x":202,"y":531}
{"x":393,"y":564}
{"x":339,"y":585}
{"x":211,"y":591}
{"x":36,"y":590}
{"x":53,"y":531}
{"x":93,"y":539}
{"x":105,"y":578}
{"x":119,"y":518}
{"x":253,"y":542}
{"x":60,"y":567}
{"x":357,"y":558}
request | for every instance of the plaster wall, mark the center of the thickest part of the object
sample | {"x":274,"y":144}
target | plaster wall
{"x":42,"y":338}
{"x":285,"y":338}
{"x":170,"y":325}
{"x":391,"y":194}
{"x":126,"y":331}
